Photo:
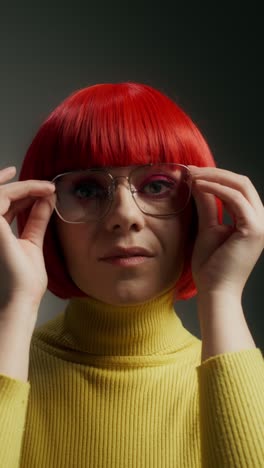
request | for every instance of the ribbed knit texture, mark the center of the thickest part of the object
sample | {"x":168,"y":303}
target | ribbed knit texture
{"x":124,"y":387}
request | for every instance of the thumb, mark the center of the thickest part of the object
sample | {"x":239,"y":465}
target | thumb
{"x":38,"y":220}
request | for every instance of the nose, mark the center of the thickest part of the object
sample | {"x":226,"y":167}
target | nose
{"x":124,"y":213}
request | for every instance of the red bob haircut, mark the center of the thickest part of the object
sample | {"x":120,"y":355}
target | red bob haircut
{"x":112,"y":124}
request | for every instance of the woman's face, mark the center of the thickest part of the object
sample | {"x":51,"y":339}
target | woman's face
{"x":125,"y":225}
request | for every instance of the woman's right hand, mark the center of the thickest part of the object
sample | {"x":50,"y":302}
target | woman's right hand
{"x":23,"y":276}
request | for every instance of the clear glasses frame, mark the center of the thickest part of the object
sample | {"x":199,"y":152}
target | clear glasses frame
{"x":112,"y":188}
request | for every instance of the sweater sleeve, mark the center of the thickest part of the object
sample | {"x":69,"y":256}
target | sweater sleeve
{"x":231,"y":399}
{"x":14,"y":395}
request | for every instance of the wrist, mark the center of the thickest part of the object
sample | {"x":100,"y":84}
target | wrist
{"x":214,"y":303}
{"x":219,"y":295}
{"x":222,"y":324}
{"x":20,"y":314}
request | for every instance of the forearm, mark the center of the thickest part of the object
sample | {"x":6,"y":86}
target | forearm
{"x":223,"y":325}
{"x":17,"y":323}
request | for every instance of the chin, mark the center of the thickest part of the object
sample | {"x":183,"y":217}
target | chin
{"x":130,"y":296}
{"x":127,"y":295}
{"x":126,"y":292}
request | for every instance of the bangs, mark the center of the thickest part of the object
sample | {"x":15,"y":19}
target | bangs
{"x":115,"y":125}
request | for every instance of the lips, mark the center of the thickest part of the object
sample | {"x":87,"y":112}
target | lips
{"x":127,"y":252}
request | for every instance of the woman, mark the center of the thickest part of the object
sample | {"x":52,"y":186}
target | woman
{"x":133,"y":224}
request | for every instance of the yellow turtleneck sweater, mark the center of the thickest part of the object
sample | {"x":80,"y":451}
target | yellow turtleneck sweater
{"x":124,"y":387}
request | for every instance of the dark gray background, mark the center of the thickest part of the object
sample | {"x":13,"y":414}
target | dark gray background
{"x":207,"y":60}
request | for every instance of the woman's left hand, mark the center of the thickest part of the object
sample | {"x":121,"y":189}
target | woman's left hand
{"x":224,"y":255}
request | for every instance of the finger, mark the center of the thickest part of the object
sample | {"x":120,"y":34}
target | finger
{"x":11,"y":193}
{"x":17,"y":190}
{"x":18,"y":206}
{"x":38,"y":220}
{"x":230,"y":179}
{"x":7,"y":173}
{"x":206,"y":207}
{"x":236,"y":204}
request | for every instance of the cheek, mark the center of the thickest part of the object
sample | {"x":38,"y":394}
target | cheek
{"x":176,"y":231}
{"x":76,"y":242}
{"x":176,"y":237}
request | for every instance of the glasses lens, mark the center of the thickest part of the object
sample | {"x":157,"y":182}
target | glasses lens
{"x":162,"y":189}
{"x":82,"y":196}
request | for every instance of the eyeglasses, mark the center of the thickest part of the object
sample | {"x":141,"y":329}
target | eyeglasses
{"x":159,"y":190}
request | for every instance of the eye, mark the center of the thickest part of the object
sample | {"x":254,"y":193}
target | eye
{"x":89,"y":190}
{"x":158,"y":186}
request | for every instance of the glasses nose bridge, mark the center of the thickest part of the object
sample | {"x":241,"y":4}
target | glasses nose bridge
{"x":114,"y":184}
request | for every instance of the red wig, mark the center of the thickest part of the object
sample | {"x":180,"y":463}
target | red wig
{"x":117,"y":124}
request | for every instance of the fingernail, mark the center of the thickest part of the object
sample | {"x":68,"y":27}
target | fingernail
{"x":48,"y":184}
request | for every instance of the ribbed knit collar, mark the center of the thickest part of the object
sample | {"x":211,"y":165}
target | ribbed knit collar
{"x":153,"y":327}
